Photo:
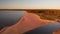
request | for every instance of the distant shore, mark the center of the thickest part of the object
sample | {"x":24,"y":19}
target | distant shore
{"x":26,"y":9}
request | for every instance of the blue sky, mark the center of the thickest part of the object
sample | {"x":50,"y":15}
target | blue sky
{"x":30,"y":4}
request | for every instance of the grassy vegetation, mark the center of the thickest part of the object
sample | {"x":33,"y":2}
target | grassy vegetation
{"x":43,"y":16}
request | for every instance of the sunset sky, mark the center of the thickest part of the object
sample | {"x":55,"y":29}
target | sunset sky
{"x":29,"y":4}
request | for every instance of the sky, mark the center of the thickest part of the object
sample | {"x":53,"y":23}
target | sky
{"x":29,"y":4}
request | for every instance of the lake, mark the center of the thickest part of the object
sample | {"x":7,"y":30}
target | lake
{"x":8,"y":18}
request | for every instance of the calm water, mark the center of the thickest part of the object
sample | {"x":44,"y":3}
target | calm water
{"x":8,"y":18}
{"x":47,"y":29}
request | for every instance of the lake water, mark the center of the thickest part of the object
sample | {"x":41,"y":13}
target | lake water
{"x":47,"y":29}
{"x":8,"y":18}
